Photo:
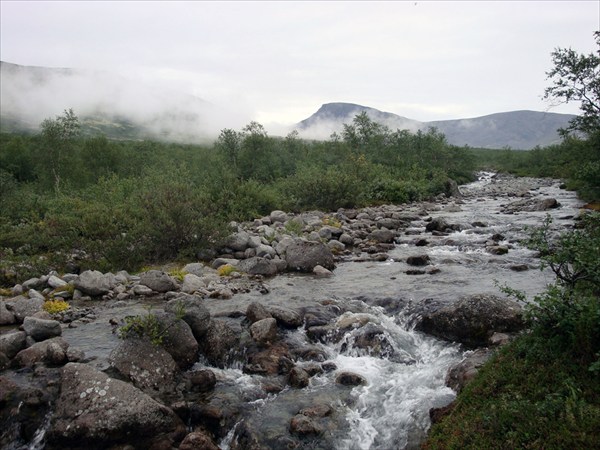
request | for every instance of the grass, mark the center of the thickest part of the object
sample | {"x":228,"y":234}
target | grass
{"x":532,"y":395}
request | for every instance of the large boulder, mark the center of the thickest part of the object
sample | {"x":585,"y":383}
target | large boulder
{"x":304,"y":256}
{"x":195,"y":314}
{"x":12,"y":343}
{"x":149,"y":367}
{"x":238,"y":241}
{"x":264,"y":331}
{"x":257,"y":266}
{"x":472,"y":320}
{"x":93,"y":283}
{"x":103,"y":412}
{"x":41,"y":329}
{"x":178,"y":339}
{"x":462,"y":373}
{"x":192,"y":283}
{"x":6,"y":316}
{"x":51,"y":351}
{"x":158,"y":281}
{"x":22,"y":307}
{"x":219,"y":343}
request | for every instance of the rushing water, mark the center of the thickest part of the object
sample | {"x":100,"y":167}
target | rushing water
{"x":392,"y":410}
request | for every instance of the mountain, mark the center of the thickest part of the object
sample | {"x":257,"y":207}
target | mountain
{"x":106,"y":103}
{"x":522,"y":130}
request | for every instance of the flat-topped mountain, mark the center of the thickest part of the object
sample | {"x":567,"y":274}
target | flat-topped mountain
{"x":521,"y":130}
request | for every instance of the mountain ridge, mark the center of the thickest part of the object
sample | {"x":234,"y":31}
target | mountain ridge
{"x":520,"y":129}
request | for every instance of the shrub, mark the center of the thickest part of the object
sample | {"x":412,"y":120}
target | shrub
{"x":55,"y":306}
{"x":225,"y":270}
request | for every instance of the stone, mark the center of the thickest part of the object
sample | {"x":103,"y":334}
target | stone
{"x":51,"y":351}
{"x":238,"y":241}
{"x":22,"y":307}
{"x":264,"y":331}
{"x":6,"y":316}
{"x":303,"y":256}
{"x":382,"y":235}
{"x":418,"y":260}
{"x":278,"y":216}
{"x":12,"y":343}
{"x":194,"y":269}
{"x":462,"y":373}
{"x":192,"y":283}
{"x":437,"y":224}
{"x":298,"y":378}
{"x":304,"y":426}
{"x":40,"y":329}
{"x":93,"y":283}
{"x":350,"y":379}
{"x":140,"y":289}
{"x":149,"y":367}
{"x":96,"y":409}
{"x":287,"y":318}
{"x":258,"y":266}
{"x":219,"y":343}
{"x":195,"y":314}
{"x":197,"y":440}
{"x":55,"y":282}
{"x":158,"y":281}
{"x":177,"y":339}
{"x":203,"y":380}
{"x":256,"y":311}
{"x":322,"y":272}
{"x":472,"y":320}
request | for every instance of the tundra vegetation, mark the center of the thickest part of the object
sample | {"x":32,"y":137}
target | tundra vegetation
{"x":71,"y":202}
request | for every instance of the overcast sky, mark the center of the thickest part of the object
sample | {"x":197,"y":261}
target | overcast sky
{"x":281,"y":60}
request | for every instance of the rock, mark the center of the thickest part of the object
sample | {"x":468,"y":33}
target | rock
{"x":34,"y":283}
{"x":195,"y":314}
{"x":54,"y":282}
{"x":258,"y":266}
{"x":278,"y":216}
{"x":149,"y":367}
{"x":51,"y":351}
{"x":287,"y":318}
{"x":298,"y":378}
{"x":350,"y":379}
{"x":192,"y":283}
{"x":92,"y":282}
{"x":194,"y":269}
{"x":529,"y":205}
{"x":437,"y":224}
{"x":418,"y":260}
{"x":322,"y":272}
{"x":35,"y":295}
{"x":203,"y":380}
{"x":178,"y":339}
{"x":219,"y":343}
{"x":271,"y":361}
{"x":451,"y":188}
{"x":22,"y":307}
{"x":40,"y":329}
{"x":264,"y":331}
{"x":158,"y":281}
{"x":461,"y":374}
{"x":304,"y":256}
{"x":472,"y":320}
{"x":372,"y":339}
{"x":256,"y":311}
{"x":6,"y":316}
{"x":497,"y":249}
{"x":304,"y":426}
{"x":382,"y":236}
{"x":140,"y":289}
{"x":197,"y":441}
{"x":12,"y":343}
{"x":102,"y":411}
{"x":238,"y":241}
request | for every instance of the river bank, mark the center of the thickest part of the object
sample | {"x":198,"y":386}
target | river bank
{"x":334,"y":362}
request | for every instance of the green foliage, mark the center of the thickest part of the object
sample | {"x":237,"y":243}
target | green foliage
{"x":147,"y":326}
{"x":576,"y":77}
{"x":226,"y":269}
{"x":55,"y":306}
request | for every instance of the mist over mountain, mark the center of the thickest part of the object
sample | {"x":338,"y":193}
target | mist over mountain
{"x":521,"y":130}
{"x":107,"y":103}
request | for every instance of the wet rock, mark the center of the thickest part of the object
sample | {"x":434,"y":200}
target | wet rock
{"x":158,"y":281}
{"x":304,"y":426}
{"x":437,"y":224}
{"x":322,"y":272}
{"x":287,"y":318}
{"x":197,"y":440}
{"x":220,"y":342}
{"x":269,"y":361}
{"x":533,"y":204}
{"x":93,"y":283}
{"x":177,"y":339}
{"x":472,"y":320}
{"x":195,"y":314}
{"x":497,"y":249}
{"x":149,"y":367}
{"x":12,"y":343}
{"x":51,"y":351}
{"x":418,"y":260}
{"x":465,"y":371}
{"x":372,"y":339}
{"x":256,"y":311}
{"x":304,"y":256}
{"x":22,"y":307}
{"x":519,"y":267}
{"x":203,"y":380}
{"x":96,"y":409}
{"x":298,"y":378}
{"x":40,"y":329}
{"x":350,"y":379}
{"x":264,"y":331}
{"x":219,"y":413}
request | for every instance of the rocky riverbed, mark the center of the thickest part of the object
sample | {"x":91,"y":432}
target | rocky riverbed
{"x":345,"y":330}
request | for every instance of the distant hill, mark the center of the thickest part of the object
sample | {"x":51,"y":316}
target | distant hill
{"x":106,"y":103}
{"x":521,"y":130}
